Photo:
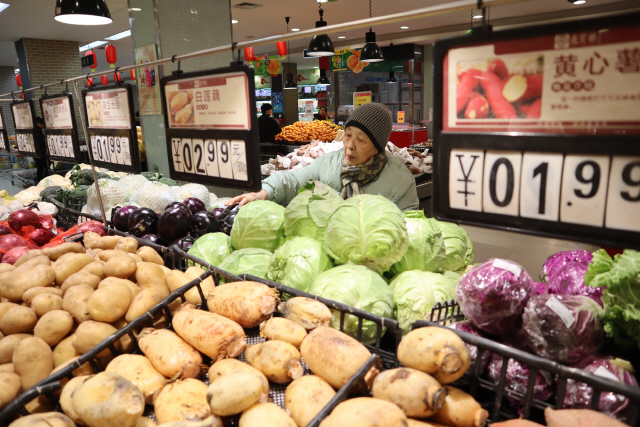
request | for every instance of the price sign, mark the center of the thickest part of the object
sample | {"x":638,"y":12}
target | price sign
{"x":4,"y":141}
{"x":360,"y":98}
{"x":211,"y":126}
{"x":540,"y":133}
{"x":112,"y":141}
{"x":60,"y":131}
{"x":400,"y":116}
{"x":24,"y":120}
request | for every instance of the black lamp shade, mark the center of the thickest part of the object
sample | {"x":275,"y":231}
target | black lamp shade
{"x":290,"y":84}
{"x":371,"y":51}
{"x":82,"y":12}
{"x":321,"y":44}
{"x":392,"y":78}
{"x":323,"y":80}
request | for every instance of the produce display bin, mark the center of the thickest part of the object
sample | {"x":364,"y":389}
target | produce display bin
{"x":67,"y":217}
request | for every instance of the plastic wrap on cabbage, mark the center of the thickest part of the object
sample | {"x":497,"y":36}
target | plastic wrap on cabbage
{"x":467,"y":327}
{"x":367,"y":230}
{"x":558,"y":260}
{"x":298,"y":262}
{"x":579,"y":395}
{"x":212,"y":247}
{"x":258,"y":224}
{"x":359,"y":287}
{"x":307,"y":214}
{"x":517,"y":378}
{"x":426,"y":250}
{"x":493,"y":294}
{"x":455,"y":244}
{"x":569,"y":280}
{"x":252,"y":261}
{"x":564,"y":328}
{"x":416,"y":292}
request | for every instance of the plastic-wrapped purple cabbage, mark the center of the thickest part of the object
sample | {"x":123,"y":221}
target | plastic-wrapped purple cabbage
{"x":578,"y":394}
{"x":569,"y":280}
{"x":465,"y":326}
{"x":564,"y":328}
{"x":558,"y":260}
{"x":517,"y":378}
{"x":493,"y":294}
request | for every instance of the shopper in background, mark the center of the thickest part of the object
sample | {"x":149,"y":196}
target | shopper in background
{"x":363,"y":167}
{"x":321,"y":114}
{"x":39,"y":141}
{"x":267,"y":125}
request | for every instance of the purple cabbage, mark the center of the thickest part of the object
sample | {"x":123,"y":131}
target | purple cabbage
{"x":578,"y":394}
{"x":517,"y":378}
{"x":569,"y":280}
{"x":493,"y":294}
{"x":558,"y":260}
{"x":564,"y":328}
{"x":465,"y":326}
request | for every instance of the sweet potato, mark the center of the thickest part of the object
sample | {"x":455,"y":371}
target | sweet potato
{"x":33,"y":361}
{"x":169,"y":354}
{"x":306,"y":311}
{"x":226,"y":367}
{"x":182,"y":400}
{"x":246,"y":303}
{"x":278,"y":360}
{"x":418,"y":394}
{"x":416,"y":423}
{"x":579,"y":417}
{"x":492,"y":87}
{"x":306,"y":396}
{"x":139,"y":370}
{"x":467,"y":84}
{"x":460,"y":410}
{"x":498,"y":67}
{"x":279,"y":328}
{"x":266,"y":415}
{"x":477,"y":108}
{"x":519,"y":88}
{"x":518,"y":423}
{"x":366,"y":412}
{"x":234,"y":393}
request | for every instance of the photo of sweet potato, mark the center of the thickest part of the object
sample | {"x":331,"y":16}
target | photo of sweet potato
{"x":180,"y":106}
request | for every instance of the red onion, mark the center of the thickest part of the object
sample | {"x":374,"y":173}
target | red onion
{"x":23,"y":218}
{"x":12,"y":256}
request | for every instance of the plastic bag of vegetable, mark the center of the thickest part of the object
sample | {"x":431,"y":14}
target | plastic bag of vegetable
{"x":367,"y":230}
{"x":493,"y":294}
{"x":564,"y":328}
{"x":359,"y":287}
{"x":455,"y":243}
{"x":252,"y":261}
{"x":560,"y":259}
{"x":467,"y":327}
{"x":569,"y":280}
{"x":112,"y":193}
{"x":307,"y":214}
{"x":198,"y":191}
{"x":426,"y":249}
{"x":213,"y":248}
{"x":298,"y":262}
{"x":133,"y":183}
{"x":154,"y":195}
{"x":517,"y":378}
{"x":258,"y":224}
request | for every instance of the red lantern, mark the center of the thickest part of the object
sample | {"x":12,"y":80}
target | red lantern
{"x":132,"y":73}
{"x":105,"y":80}
{"x":112,"y":57}
{"x":90,"y":82}
{"x":282,"y":48}
{"x":19,"y":81}
{"x":248,"y":54}
{"x":95,"y":60}
{"x":324,"y":63}
{"x":117,"y":77}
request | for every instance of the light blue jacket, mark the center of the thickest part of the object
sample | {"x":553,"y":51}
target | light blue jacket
{"x":395,"y":182}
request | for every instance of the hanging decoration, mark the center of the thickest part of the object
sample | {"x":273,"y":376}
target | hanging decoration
{"x":95,"y":60}
{"x":132,"y":73}
{"x":19,"y":81}
{"x":105,"y":80}
{"x":112,"y":56}
{"x":248,"y":54}
{"x":282,"y":49}
{"x":90,"y":82}
{"x":117,"y":77}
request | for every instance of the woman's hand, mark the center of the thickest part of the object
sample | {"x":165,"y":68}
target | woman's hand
{"x":243,"y":199}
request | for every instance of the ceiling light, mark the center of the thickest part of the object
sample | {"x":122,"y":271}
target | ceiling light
{"x":477,"y":16}
{"x":92,"y":45}
{"x":135,"y":9}
{"x":3,"y":6}
{"x":119,"y":35}
{"x":295,"y":29}
{"x":321,"y":44}
{"x":322,"y":1}
{"x":86,"y":12}
{"x":577,"y":1}
{"x":342,"y":37}
{"x":371,"y":51}
{"x":404,"y":27}
{"x":392,"y":78}
{"x":323,"y":80}
{"x":315,"y":67}
{"x":234,"y":21}
{"x":17,"y":70}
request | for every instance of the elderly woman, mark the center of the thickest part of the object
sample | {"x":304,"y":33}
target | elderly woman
{"x":363,"y":167}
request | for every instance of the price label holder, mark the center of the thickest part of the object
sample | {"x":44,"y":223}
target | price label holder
{"x":24,"y":119}
{"x":5,"y":147}
{"x":61,"y":131}
{"x":212,"y":128}
{"x":536,"y":130}
{"x":113,"y":139}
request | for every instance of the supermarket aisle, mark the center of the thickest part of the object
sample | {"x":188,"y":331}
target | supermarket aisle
{"x":528,"y":251}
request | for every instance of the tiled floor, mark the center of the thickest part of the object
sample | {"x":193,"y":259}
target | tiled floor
{"x":528,"y":251}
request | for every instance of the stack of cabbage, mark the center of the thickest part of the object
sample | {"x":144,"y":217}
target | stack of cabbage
{"x":367,"y":237}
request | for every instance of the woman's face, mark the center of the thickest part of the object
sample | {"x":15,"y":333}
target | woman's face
{"x":358,"y":148}
{"x":323,"y":112}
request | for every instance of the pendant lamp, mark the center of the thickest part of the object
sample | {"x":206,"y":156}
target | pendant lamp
{"x":392,"y":78}
{"x":289,"y":83}
{"x":371,"y":51}
{"x":323,"y":80}
{"x":321,"y":44}
{"x":82,"y":12}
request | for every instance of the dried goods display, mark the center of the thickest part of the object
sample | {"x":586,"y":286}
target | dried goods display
{"x":317,"y":130}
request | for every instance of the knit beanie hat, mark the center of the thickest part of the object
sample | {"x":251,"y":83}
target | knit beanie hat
{"x":375,"y":121}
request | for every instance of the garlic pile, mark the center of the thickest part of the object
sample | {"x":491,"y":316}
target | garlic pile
{"x":416,"y":161}
{"x":300,"y":158}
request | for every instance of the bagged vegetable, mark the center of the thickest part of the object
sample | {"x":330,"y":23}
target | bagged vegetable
{"x":568,"y":279}
{"x":517,"y":378}
{"x":133,"y":183}
{"x":307,"y":214}
{"x":467,"y":327}
{"x":112,"y":193}
{"x":154,"y":195}
{"x":258,"y":224}
{"x":298,"y":262}
{"x":252,"y":261}
{"x":213,"y":248}
{"x":198,"y":191}
{"x":560,"y":259}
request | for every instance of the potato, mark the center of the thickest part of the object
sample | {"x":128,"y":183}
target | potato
{"x":75,"y":302}
{"x":81,"y":278}
{"x":126,"y":343}
{"x":39,"y":405}
{"x":28,"y":296}
{"x":247,"y":303}
{"x":266,"y":415}
{"x":150,"y":275}
{"x":70,"y":265}
{"x":120,"y":266}
{"x":9,"y":388}
{"x":279,"y":328}
{"x":144,"y":300}
{"x":169,"y":354}
{"x":33,"y":253}
{"x":33,"y":262}
{"x":90,"y":333}
{"x":234,"y":366}
{"x":7,"y":367}
{"x":33,"y":361}
{"x":306,"y":396}
{"x":150,"y":255}
{"x":148,"y":422}
{"x":6,"y":306}
{"x":18,"y":320}
{"x":64,"y":351}
{"x":234,"y":393}
{"x":15,"y":283}
{"x":79,"y":371}
{"x":101,"y":242}
{"x":46,"y":419}
{"x":134,"y":288}
{"x":65,"y":397}
{"x":44,"y":303}
{"x":214,"y":335}
{"x":136,"y":258}
{"x":182,"y":400}
{"x":437,"y":351}
{"x":207,"y":285}
{"x":109,"y":303}
{"x":105,"y":256}
{"x":212,"y":421}
{"x":139,"y":370}
{"x":278,"y":360}
{"x":418,"y":394}
{"x":53,"y":326}
{"x":8,"y":344}
{"x":57,"y":251}
{"x":365,"y":412}
{"x":5,"y":267}
{"x":306,"y":311}
{"x":460,"y":409}
{"x":166,"y":270}
{"x":347,"y":356}
{"x":96,"y":268}
{"x":127,"y":244}
{"x":106,"y":400}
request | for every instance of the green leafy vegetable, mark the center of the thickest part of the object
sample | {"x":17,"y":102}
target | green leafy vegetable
{"x":84,"y":176}
{"x":298,"y":262}
{"x":55,"y":192}
{"x":212,"y":247}
{"x":307,"y":214}
{"x":168,"y":181}
{"x":152,"y":176}
{"x":258,"y":225}
{"x":455,"y":243}
{"x":468,"y":258}
{"x":248,"y":261}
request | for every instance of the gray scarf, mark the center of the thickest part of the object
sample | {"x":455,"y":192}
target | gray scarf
{"x":356,"y":177}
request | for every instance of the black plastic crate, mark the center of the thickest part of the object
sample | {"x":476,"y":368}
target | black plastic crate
{"x":68,"y":217}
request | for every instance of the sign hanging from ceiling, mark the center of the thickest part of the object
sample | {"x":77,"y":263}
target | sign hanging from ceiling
{"x":211,"y":126}
{"x":4,"y":141}
{"x":24,"y":119}
{"x":61,"y":132}
{"x":540,"y":133}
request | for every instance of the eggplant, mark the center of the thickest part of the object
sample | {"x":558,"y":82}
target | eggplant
{"x":174,"y":223}
{"x":195,"y":205}
{"x":203,"y":223}
{"x":177,"y":204}
{"x":228,"y":216}
{"x":153,"y":238}
{"x":218,"y":212}
{"x":143,"y":221}
{"x":120,"y":218}
{"x":183,"y":243}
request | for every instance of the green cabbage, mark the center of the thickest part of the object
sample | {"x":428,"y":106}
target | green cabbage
{"x":212,"y":247}
{"x":258,"y":225}
{"x":468,"y":258}
{"x":367,"y":230}
{"x":358,"y":287}
{"x":426,"y":250}
{"x":252,"y":261}
{"x":298,"y":262}
{"x":307,"y":214}
{"x":416,"y":292}
{"x":455,"y":244}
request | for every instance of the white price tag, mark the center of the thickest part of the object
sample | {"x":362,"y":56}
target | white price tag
{"x":211,"y":158}
{"x":126,"y":151}
{"x":584,"y":189}
{"x":561,"y":310}
{"x":540,"y":185}
{"x":623,"y":201}
{"x":176,"y":153}
{"x":508,"y":266}
{"x":239,"y":160}
{"x":224,"y":159}
{"x":501,"y":183}
{"x":465,"y":179}
{"x":25,"y":142}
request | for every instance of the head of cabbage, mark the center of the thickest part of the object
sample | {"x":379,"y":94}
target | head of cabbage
{"x":359,"y":287}
{"x":298,"y":262}
{"x":307,"y":214}
{"x":252,"y":261}
{"x":258,"y":224}
{"x":212,"y":247}
{"x":367,"y":230}
{"x":468,"y":259}
{"x":455,"y":244}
